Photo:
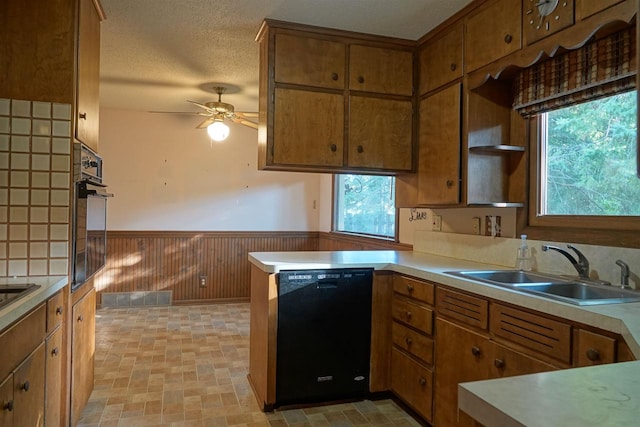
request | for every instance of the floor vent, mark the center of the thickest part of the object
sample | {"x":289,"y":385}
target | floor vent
{"x":136,"y":299}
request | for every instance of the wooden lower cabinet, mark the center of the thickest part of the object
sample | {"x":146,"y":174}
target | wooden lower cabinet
{"x":83,"y":342}
{"x":6,"y":401}
{"x":55,"y":356}
{"x":28,"y":390}
{"x":464,"y":355}
{"x":412,"y":382}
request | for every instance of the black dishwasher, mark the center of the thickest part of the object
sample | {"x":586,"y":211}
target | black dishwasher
{"x":324,"y":335}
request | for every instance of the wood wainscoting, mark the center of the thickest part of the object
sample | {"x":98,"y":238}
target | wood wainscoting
{"x":147,"y":261}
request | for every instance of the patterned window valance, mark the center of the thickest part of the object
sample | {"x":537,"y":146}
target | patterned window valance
{"x":600,"y":68}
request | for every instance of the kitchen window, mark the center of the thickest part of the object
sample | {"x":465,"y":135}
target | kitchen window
{"x":365,"y":204}
{"x":587,"y":161}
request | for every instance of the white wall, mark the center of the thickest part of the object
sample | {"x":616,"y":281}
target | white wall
{"x":167,"y":175}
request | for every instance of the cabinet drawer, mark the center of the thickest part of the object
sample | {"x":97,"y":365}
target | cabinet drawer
{"x":309,"y":61}
{"x":593,"y":349}
{"x":413,"y":383}
{"x":421,"y":291}
{"x":413,"y":314}
{"x":21,"y":339}
{"x":413,"y":342}
{"x":463,"y":308}
{"x":55,"y":311}
{"x":546,"y":336}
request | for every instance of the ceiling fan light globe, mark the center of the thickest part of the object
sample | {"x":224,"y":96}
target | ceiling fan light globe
{"x":218,"y":131}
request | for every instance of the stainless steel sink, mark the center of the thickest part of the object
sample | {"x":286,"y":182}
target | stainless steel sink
{"x":582,"y":293}
{"x":12,"y":292}
{"x":505,"y":277}
{"x":561,"y":288}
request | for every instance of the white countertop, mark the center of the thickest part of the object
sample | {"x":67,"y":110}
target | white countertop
{"x":18,"y":308}
{"x":606,"y":395}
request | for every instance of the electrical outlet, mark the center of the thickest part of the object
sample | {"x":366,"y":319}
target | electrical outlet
{"x":492,"y":226}
{"x":203,"y":281}
{"x":476,"y":225}
{"x":436,"y":224}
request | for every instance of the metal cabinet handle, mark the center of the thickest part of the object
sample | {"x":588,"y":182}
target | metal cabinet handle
{"x":449,"y":183}
{"x":80,"y":318}
{"x":408,"y":340}
{"x":55,"y":351}
{"x":360,"y":148}
{"x":25,"y":386}
{"x":334,"y":147}
{"x":83,"y":116}
{"x":59,"y":310}
{"x":409,"y":288}
{"x":498,"y":363}
{"x":422,"y":381}
{"x":360,"y":79}
{"x":593,"y":354}
{"x":453,"y":67}
{"x":8,"y":406}
{"x":475,"y":350}
{"x":408,"y":314}
{"x":508,"y":38}
{"x":334,"y":76}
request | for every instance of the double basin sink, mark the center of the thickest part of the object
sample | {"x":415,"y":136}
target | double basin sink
{"x":573,"y":291}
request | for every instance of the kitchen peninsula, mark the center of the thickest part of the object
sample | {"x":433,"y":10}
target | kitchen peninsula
{"x":611,"y":323}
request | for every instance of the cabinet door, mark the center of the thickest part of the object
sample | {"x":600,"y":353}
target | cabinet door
{"x":373,"y":69}
{"x":586,"y":8}
{"x":28,"y":390}
{"x":87,"y":120}
{"x":309,"y":61}
{"x":493,"y":32}
{"x":593,"y":349}
{"x":441,"y":59}
{"x":509,"y":363}
{"x":308,"y":128}
{"x":461,"y":355}
{"x":55,"y":311}
{"x":83,"y":344}
{"x":53,"y":379}
{"x":6,"y":401}
{"x":439,"y":148}
{"x":413,"y":383}
{"x":380,"y":133}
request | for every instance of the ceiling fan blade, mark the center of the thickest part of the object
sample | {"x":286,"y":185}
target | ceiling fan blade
{"x":191,"y":113}
{"x":247,"y":114}
{"x":205,"y":123}
{"x":245,"y":122}
{"x":200,"y":105}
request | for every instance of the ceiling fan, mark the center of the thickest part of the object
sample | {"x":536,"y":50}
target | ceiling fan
{"x":217,"y":111}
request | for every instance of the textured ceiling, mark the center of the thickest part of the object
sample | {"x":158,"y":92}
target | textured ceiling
{"x":155,"y":54}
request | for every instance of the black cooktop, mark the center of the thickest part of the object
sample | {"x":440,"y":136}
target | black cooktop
{"x":10,"y":293}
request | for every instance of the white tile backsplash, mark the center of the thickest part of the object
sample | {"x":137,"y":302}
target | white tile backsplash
{"x":35,"y":182}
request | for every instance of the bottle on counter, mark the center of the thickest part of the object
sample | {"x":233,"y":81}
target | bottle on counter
{"x":523,"y":259}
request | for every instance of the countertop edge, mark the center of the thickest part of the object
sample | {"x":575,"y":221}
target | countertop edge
{"x":15,"y":310}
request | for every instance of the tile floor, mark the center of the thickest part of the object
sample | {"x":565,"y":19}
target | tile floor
{"x":186,"y":366}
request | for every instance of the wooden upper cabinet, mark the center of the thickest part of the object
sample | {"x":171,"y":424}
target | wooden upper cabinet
{"x":88,"y":102}
{"x":439,"y":148}
{"x":586,"y":8}
{"x":310,"y":61}
{"x":441,"y":59}
{"x":308,"y":128}
{"x":380,"y":133}
{"x":494,"y":31}
{"x":373,"y":69}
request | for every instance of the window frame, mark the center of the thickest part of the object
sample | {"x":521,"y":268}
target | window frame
{"x":601,"y":230}
{"x":334,"y":183}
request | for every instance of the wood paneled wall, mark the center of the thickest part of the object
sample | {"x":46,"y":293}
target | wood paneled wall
{"x":172,"y":260}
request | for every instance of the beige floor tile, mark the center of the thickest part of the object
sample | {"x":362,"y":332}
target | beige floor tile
{"x":186,"y":366}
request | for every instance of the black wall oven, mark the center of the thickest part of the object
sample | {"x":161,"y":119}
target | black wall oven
{"x":90,"y":216}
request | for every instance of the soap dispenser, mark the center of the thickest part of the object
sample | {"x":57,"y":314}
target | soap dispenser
{"x":523,"y":260}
